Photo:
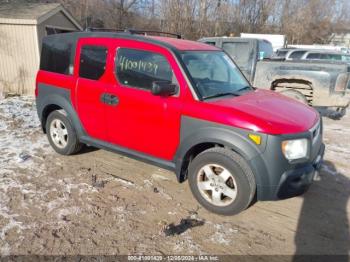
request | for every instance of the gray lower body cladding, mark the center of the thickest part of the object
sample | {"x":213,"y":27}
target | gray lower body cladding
{"x":288,"y":180}
{"x":285,"y":179}
{"x":276,"y":177}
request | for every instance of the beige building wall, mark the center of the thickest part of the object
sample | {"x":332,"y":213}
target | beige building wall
{"x":20,"y":46}
{"x":19,"y":58}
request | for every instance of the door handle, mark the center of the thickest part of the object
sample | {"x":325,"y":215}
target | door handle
{"x":113,"y":100}
{"x":103,"y":98}
{"x":109,"y":99}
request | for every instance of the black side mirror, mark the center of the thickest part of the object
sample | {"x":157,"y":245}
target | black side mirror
{"x":163,"y":88}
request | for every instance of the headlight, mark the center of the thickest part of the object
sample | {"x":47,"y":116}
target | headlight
{"x":295,"y":149}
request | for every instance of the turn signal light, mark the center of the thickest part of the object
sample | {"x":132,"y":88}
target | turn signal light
{"x":255,"y":138}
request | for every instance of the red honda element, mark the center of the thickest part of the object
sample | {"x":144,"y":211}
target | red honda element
{"x":181,"y":105}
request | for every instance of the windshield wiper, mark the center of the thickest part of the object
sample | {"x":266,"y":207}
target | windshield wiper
{"x":221,"y":94}
{"x":245,"y":88}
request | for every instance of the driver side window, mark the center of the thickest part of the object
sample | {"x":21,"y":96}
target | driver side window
{"x":138,"y":68}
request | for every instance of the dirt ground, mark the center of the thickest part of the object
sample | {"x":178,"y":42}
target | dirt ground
{"x":99,"y":202}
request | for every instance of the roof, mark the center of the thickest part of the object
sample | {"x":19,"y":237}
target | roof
{"x":235,"y":38}
{"x":167,"y":42}
{"x":325,"y":51}
{"x":184,"y":45}
{"x":31,"y":13}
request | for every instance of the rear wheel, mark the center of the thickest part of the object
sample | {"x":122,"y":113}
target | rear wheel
{"x":61,"y":133}
{"x":221,"y":181}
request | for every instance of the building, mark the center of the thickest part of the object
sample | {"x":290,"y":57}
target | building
{"x":22,"y":27}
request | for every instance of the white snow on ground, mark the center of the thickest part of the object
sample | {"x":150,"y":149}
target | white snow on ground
{"x":22,"y":162}
{"x":18,"y":143}
{"x":18,"y":123}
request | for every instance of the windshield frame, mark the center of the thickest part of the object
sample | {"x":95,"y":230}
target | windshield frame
{"x":190,"y":78}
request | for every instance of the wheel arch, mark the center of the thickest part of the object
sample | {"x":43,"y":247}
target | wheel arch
{"x":57,"y":100}
{"x":202,"y":140}
{"x":305,"y":87}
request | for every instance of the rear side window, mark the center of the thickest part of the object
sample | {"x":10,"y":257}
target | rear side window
{"x":210,"y":43}
{"x":137,"y":68}
{"x":313,"y":56}
{"x":238,"y":51}
{"x":55,"y":57}
{"x":281,"y":53}
{"x":265,"y":49}
{"x":297,"y":54}
{"x":334,"y":57}
{"x":92,"y":62}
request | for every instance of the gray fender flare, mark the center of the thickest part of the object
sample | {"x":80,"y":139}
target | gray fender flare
{"x":63,"y":101}
{"x":229,"y":139}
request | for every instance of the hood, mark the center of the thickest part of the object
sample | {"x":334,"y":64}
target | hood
{"x":268,"y":112}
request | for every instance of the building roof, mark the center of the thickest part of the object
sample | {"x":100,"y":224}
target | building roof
{"x":31,"y":13}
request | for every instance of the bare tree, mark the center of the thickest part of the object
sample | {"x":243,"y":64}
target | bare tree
{"x":303,"y":21}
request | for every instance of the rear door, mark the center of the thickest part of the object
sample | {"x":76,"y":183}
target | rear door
{"x":91,"y":65}
{"x":137,"y":119}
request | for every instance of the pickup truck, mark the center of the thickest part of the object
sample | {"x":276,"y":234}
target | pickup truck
{"x":316,"y":83}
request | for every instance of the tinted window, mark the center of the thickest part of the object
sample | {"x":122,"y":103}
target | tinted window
{"x":313,"y":56}
{"x":265,"y":49}
{"x":138,"y":68}
{"x":210,"y":43}
{"x":238,"y":51}
{"x":346,"y":58}
{"x":92,"y":62}
{"x":334,"y":57}
{"x":55,"y":57}
{"x":297,"y":54}
{"x":281,"y":53}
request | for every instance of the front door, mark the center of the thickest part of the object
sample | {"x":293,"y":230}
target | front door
{"x":139,"y":120}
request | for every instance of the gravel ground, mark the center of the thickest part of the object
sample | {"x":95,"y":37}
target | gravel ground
{"x":99,"y":203}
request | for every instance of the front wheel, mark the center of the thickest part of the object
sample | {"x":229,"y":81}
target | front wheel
{"x":221,"y":181}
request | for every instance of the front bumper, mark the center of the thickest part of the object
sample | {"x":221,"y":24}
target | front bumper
{"x":297,"y":181}
{"x":278,"y":178}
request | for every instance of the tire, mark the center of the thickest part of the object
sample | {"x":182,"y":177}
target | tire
{"x":218,"y":195}
{"x":295,"y":95}
{"x":59,"y":128}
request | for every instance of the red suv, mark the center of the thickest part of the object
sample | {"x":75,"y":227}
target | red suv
{"x":181,"y":105}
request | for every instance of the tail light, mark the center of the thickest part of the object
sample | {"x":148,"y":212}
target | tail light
{"x":36,"y":90}
{"x":342,"y":82}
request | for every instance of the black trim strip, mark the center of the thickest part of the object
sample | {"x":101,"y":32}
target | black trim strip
{"x":169,"y":165}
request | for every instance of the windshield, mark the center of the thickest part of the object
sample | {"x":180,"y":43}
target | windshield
{"x":214,"y":74}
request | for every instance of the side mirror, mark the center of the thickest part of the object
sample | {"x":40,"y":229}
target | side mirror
{"x":163,"y":88}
